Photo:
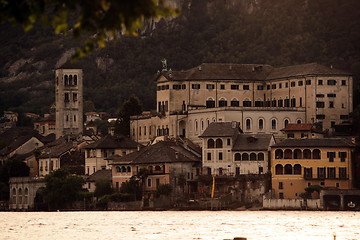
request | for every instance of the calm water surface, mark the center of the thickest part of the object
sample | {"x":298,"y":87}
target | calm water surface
{"x":173,"y":225}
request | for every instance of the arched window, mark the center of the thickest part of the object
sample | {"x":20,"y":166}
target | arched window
{"x":248,"y":124}
{"x":286,"y":122}
{"x":66,"y":82}
{"x":196,"y":126}
{"x":222,"y":102}
{"x":118,"y":169}
{"x":157,"y":168}
{"x":237,"y":157}
{"x":316,"y":154}
{"x":280,"y":103}
{"x":70,"y":80}
{"x":288,"y":169}
{"x":279,"y":170}
{"x":210,"y":143}
{"x":298,"y":121}
{"x":75,"y":79}
{"x":288,"y":154}
{"x":235,"y":102}
{"x":261,"y":124}
{"x":123,"y":169}
{"x":128,"y":169}
{"x":306,"y":154}
{"x":261,"y":156}
{"x":253,"y":156}
{"x":245,"y":156}
{"x":279,"y":154}
{"x":273,"y":124}
{"x":297,"y":154}
{"x":218,"y":143}
{"x":297,"y":169}
{"x":246,"y":103}
{"x":210,"y":103}
{"x":202,"y":125}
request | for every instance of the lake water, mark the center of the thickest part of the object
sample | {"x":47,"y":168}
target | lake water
{"x":171,"y":225}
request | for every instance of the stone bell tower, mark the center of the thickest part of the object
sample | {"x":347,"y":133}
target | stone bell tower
{"x":69,"y":102}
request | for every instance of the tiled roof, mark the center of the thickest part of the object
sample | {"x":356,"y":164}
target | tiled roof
{"x":298,"y":127}
{"x":254,"y":142}
{"x":111,"y":142}
{"x":222,"y":129}
{"x":248,"y":72}
{"x":57,"y":148}
{"x":303,"y":70}
{"x":161,"y":152}
{"x":104,"y":174}
{"x":221,"y":71}
{"x":315,"y":142}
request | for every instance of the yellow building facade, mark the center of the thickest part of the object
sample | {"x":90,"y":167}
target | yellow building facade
{"x":299,"y":163}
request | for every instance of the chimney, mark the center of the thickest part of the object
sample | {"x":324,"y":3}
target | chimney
{"x":176,"y":155}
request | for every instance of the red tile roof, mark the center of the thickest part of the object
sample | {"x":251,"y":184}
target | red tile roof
{"x":298,"y":127}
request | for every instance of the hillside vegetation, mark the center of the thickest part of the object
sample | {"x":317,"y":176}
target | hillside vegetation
{"x":276,"y":32}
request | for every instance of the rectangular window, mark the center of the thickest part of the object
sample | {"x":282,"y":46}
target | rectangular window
{"x":308,"y":173}
{"x":222,"y":86}
{"x":177,"y":86}
{"x":331,"y":104}
{"x":268,"y":86}
{"x":320,"y":82}
{"x":286,"y":85}
{"x":320,"y":104}
{"x":292,"y":84}
{"x":195,"y":86}
{"x":149,"y":183}
{"x":273,"y":86}
{"x":300,"y":83}
{"x":234,"y":87}
{"x":342,"y":173}
{"x":281,"y":195}
{"x":228,"y":142}
{"x":75,"y":97}
{"x":344,"y":117}
{"x":260,"y":87}
{"x":308,"y":82}
{"x":290,"y":135}
{"x":280,"y":85}
{"x":287,"y":103}
{"x":331,"y":156}
{"x":261,"y":170}
{"x":246,"y":103}
{"x":331,"y":95}
{"x":320,"y":116}
{"x":246,"y":87}
{"x":183,"y":86}
{"x":342,"y":156}
{"x":66,"y":97}
{"x":331,"y":82}
{"x":321,"y":173}
{"x":331,"y":173}
{"x":210,"y":86}
{"x":281,"y":185}
{"x":220,"y":156}
{"x":208,"y":156}
{"x":343,"y":82}
{"x":320,"y":95}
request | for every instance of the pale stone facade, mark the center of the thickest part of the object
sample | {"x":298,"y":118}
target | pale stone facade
{"x":262,"y":98}
{"x":69,"y":101}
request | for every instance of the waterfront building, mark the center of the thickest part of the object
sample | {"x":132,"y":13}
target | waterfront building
{"x":264,"y":99}
{"x":226,"y":150}
{"x":164,"y":162}
{"x":297,"y":164}
{"x":98,"y":152}
{"x":69,"y":102}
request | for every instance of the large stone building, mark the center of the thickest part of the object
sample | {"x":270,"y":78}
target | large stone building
{"x":264,"y":99}
{"x":69,"y":102}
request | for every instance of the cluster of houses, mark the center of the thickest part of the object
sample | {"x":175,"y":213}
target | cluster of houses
{"x":259,"y":133}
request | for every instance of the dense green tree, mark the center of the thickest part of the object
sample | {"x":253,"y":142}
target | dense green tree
{"x":62,"y":189}
{"x":102,"y":188}
{"x":131,"y":107}
{"x":132,"y":187}
{"x":164,"y":189}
